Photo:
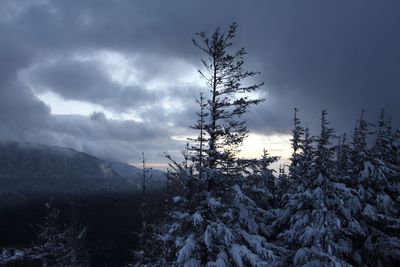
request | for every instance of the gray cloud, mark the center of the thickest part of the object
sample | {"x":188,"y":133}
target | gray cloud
{"x":343,"y":56}
{"x":87,"y":81}
{"x":19,"y":111}
{"x":110,"y":139}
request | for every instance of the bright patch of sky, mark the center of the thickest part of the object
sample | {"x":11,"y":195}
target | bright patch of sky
{"x":122,"y":69}
{"x":125,"y":70}
{"x":276,"y":145}
{"x":254,"y":144}
{"x":60,"y":106}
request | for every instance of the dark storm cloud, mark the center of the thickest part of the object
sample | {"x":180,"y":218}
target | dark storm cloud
{"x":341,"y":55}
{"x":87,"y":81}
{"x":19,"y":111}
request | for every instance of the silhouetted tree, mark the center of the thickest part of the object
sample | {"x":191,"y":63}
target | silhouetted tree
{"x":229,"y":98}
{"x":215,"y":221}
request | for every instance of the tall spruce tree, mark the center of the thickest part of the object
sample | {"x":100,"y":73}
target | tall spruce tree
{"x":214,"y":221}
{"x":228,"y":98}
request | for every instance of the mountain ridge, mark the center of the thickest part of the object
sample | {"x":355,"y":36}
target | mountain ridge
{"x":30,"y":170}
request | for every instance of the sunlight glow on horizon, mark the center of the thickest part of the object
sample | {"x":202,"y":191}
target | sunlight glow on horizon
{"x":154,"y":165}
{"x":254,"y":144}
{"x":276,"y":145}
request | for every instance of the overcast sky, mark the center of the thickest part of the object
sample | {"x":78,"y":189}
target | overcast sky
{"x":114,"y":78}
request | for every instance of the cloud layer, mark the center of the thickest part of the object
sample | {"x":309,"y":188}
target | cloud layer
{"x":136,"y":59}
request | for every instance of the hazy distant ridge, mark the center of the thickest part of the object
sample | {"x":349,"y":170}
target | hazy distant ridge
{"x":30,"y":170}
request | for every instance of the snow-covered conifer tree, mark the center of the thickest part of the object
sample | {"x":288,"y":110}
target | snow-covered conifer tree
{"x":359,"y":146}
{"x":260,"y":179}
{"x":294,"y":213}
{"x":379,"y":192}
{"x":325,"y":239}
{"x":319,"y":221}
{"x":215,"y":222}
{"x":297,"y":146}
{"x":343,"y":166}
{"x":261,"y":185}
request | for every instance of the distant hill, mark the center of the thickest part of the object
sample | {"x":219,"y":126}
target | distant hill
{"x":29,"y":160}
{"x":133,"y":173}
{"x":29,"y":170}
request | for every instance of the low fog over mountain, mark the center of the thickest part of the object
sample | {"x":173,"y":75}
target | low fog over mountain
{"x":29,"y":170}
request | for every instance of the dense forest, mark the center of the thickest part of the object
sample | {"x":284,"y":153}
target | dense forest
{"x":337,"y":204}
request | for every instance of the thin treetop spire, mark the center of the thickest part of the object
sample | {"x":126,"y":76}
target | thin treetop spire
{"x":228,"y":99}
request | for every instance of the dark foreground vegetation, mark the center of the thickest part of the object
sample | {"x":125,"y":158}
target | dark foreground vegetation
{"x":111,"y":224}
